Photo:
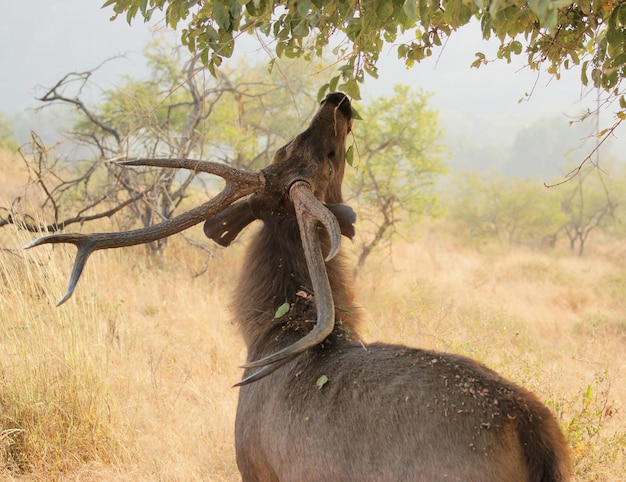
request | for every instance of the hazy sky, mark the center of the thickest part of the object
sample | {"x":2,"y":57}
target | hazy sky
{"x":41,"y":40}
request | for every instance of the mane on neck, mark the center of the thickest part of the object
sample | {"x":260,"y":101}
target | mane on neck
{"x":274,"y":272}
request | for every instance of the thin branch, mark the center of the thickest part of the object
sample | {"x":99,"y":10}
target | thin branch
{"x":606,"y":134}
{"x":59,"y":226}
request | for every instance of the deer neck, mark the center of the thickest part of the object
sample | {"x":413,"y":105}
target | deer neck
{"x":274,"y":302}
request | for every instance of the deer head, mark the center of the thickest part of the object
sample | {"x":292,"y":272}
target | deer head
{"x":305,"y":175}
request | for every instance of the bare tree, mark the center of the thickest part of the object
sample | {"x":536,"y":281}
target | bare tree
{"x":178,"y":112}
{"x":55,"y":186}
{"x":590,"y":205}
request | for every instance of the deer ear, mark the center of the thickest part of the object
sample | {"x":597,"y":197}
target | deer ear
{"x":226,"y":225}
{"x":346,"y":217}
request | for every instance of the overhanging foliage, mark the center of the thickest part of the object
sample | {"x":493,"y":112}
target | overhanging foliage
{"x":559,"y":34}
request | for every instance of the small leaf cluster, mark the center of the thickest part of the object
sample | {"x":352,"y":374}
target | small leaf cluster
{"x":590,"y":33}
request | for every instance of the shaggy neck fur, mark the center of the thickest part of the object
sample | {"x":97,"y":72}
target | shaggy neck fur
{"x":274,"y":273}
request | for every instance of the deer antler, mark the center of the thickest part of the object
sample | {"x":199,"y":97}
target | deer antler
{"x":309,"y":211}
{"x":292,"y":174}
{"x":238,"y":184}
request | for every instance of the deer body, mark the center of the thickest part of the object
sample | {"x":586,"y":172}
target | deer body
{"x":315,"y":404}
{"x":400,"y":418}
{"x":387,"y":412}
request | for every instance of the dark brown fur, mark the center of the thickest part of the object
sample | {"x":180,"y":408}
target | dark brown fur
{"x":386,"y":412}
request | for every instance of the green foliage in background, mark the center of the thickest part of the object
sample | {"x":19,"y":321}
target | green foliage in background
{"x":520,"y":211}
{"x":240,"y":118}
{"x":507,"y":208}
{"x":6,"y":134}
{"x":178,"y":110}
{"x":399,"y":157}
{"x":592,"y":202}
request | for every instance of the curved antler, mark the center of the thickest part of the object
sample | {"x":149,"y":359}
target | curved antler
{"x":238,"y":184}
{"x":309,"y":211}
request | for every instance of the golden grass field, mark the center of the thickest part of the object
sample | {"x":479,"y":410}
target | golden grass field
{"x":131,"y":379}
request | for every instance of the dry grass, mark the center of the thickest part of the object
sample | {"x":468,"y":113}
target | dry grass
{"x":13,"y":176}
{"x":131,"y":379}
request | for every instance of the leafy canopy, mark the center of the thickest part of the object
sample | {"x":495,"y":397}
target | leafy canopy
{"x":556,"y":33}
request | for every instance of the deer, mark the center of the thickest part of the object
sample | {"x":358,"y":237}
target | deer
{"x":315,"y":402}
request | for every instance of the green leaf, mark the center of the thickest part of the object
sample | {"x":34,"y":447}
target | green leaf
{"x":302,"y":29}
{"x":480,"y":60}
{"x":547,"y":10}
{"x":293,"y":51}
{"x":486,"y":23}
{"x":351,"y":88}
{"x":321,"y":381}
{"x":211,"y":33}
{"x":614,"y":36}
{"x":303,"y":7}
{"x":451,"y":12}
{"x":221,"y":15}
{"x":596,"y":76}
{"x":280,"y":48}
{"x":270,"y":65}
{"x":465,"y":15}
{"x":384,"y":10}
{"x":204,"y":57}
{"x":332,"y":85}
{"x":130,"y":14}
{"x":265,"y":28}
{"x":583,"y":73}
{"x":622,"y":14}
{"x":350,"y":156}
{"x":402,"y":50}
{"x":410,"y":10}
{"x":227,"y":46}
{"x":282,"y":310}
{"x":143,"y":6}
{"x":322,"y":91}
{"x":424,"y":13}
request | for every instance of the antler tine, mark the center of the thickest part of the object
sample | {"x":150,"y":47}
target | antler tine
{"x":238,"y":184}
{"x":85,"y":245}
{"x":222,"y":170}
{"x":309,"y":211}
{"x":266,"y":370}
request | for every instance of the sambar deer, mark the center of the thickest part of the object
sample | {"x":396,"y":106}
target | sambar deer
{"x":315,"y":403}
